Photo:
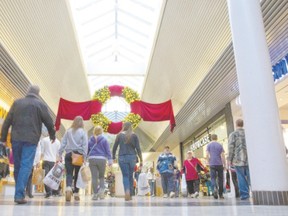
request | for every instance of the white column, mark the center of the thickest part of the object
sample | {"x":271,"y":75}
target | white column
{"x":267,"y":161}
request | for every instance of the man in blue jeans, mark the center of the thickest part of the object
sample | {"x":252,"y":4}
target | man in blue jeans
{"x":26,"y":117}
{"x":238,"y":157}
{"x":215,"y":155}
{"x":165,"y":166}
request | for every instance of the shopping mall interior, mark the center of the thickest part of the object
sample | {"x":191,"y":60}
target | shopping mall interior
{"x":204,"y":58}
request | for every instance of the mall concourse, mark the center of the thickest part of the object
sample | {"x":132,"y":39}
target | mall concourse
{"x":177,"y":73}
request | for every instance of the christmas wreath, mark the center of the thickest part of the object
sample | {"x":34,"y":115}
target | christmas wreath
{"x":104,"y":94}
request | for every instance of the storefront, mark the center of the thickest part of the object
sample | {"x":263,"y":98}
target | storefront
{"x":280,"y":75}
{"x":221,"y":124}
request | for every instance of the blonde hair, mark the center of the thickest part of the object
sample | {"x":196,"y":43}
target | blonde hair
{"x":78,"y":122}
{"x":97,"y":130}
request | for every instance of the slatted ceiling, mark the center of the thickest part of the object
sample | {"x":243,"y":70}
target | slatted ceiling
{"x":216,"y":94}
{"x":193,"y":38}
{"x":41,"y":38}
{"x":185,"y":53}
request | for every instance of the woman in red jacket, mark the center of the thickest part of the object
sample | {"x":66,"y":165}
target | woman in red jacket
{"x":190,"y":167}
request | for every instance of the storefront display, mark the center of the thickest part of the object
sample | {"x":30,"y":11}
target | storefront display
{"x":199,"y":140}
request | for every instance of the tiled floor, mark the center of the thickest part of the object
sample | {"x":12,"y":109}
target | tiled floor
{"x":138,"y":206}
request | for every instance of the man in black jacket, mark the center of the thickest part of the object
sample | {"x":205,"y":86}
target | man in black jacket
{"x":26,"y":117}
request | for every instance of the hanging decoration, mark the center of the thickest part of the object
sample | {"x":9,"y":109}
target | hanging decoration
{"x":104,"y":94}
{"x":140,"y":110}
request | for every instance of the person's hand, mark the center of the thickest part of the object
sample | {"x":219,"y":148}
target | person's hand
{"x":114,"y":161}
{"x":59,"y":159}
{"x":38,"y":165}
{"x":141,"y":164}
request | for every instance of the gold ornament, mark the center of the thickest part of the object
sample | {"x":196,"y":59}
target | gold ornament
{"x":130,"y":95}
{"x":102,"y":95}
{"x":101,"y":120}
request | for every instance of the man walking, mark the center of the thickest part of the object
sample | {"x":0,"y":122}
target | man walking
{"x":26,"y":117}
{"x":238,"y":157}
{"x":49,"y":152}
{"x":216,"y":159}
{"x":166,"y":165}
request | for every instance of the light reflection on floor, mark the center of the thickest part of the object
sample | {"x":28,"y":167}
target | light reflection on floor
{"x":138,"y":206}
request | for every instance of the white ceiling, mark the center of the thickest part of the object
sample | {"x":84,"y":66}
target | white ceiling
{"x":191,"y":63}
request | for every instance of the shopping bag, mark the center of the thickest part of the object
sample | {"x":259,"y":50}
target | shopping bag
{"x":38,"y":176}
{"x":54,"y":177}
{"x":85,"y":173}
{"x":80,"y":182}
{"x":183,"y":185}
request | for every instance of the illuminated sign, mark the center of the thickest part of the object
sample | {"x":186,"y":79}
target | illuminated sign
{"x":200,"y":143}
{"x":280,"y":68}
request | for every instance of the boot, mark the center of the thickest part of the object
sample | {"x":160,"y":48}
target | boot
{"x":76,"y":197}
{"x":68,"y":194}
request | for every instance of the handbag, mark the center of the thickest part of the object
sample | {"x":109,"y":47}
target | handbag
{"x":38,"y":176}
{"x":77,"y":159}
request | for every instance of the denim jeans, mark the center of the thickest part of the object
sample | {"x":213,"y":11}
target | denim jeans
{"x":167,"y":181}
{"x":152,"y":186}
{"x":243,"y":177}
{"x":24,"y":154}
{"x":127,"y":164}
{"x":217,"y":172}
{"x":70,"y":170}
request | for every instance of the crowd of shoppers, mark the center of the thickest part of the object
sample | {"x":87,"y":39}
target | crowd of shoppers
{"x":27,"y":115}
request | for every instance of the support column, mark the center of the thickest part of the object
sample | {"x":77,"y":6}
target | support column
{"x":265,"y":144}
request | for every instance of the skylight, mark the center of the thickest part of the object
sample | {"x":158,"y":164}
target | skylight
{"x":116,"y":38}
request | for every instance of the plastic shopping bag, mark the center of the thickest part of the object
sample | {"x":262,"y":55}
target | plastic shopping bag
{"x":183,"y":185}
{"x":85,"y":173}
{"x":81,"y":183}
{"x":54,"y":177}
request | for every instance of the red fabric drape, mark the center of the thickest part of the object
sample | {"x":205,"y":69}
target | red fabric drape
{"x":69,"y":110}
{"x":154,"y":112}
{"x":115,"y":127}
{"x":148,"y":112}
{"x":116,"y":90}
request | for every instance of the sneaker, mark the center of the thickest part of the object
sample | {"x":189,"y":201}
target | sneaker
{"x":195,"y":195}
{"x":172,"y":194}
{"x":47,"y":196}
{"x":20,"y":201}
{"x":76,"y":197}
{"x":165,"y":196}
{"x":244,"y":198}
{"x":95,"y":197}
{"x":215,"y":195}
{"x":127,"y":197}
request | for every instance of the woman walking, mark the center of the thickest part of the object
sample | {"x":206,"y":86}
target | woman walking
{"x":74,"y":140}
{"x":128,"y":143}
{"x":98,"y":153}
{"x":190,"y":166}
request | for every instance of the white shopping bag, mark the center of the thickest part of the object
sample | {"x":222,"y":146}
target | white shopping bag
{"x":183,"y":185}
{"x":81,"y":183}
{"x":54,"y":176}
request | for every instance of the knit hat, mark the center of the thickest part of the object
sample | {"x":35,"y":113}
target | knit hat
{"x":33,"y":90}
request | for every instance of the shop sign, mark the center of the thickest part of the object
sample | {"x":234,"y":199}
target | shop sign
{"x":280,"y":68}
{"x":201,"y":142}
